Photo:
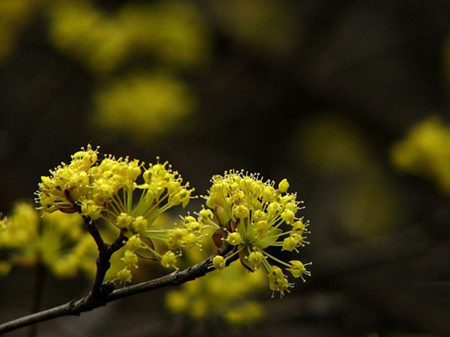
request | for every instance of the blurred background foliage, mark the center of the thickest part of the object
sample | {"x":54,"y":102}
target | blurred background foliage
{"x":348,"y":100}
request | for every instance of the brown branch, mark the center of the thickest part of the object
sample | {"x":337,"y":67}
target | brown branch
{"x":89,"y":303}
{"x":105,"y":251}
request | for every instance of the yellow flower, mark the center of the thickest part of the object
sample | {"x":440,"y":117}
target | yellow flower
{"x":298,"y":269}
{"x":169,"y":259}
{"x":277,"y":280}
{"x":234,"y":238}
{"x":219,"y":262}
{"x":283,"y":186}
{"x":134,"y":242}
{"x":124,"y":275}
{"x":241,"y":212}
{"x":130,"y":259}
{"x":124,"y":220}
{"x":255,"y":260}
{"x":140,"y":224}
{"x":289,"y":244}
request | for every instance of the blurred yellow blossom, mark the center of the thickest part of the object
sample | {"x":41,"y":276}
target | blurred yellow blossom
{"x":87,"y":34}
{"x":175,"y":32}
{"x":13,"y":16}
{"x":425,"y":152}
{"x":172,"y":32}
{"x":360,"y":193}
{"x":143,"y":106}
{"x":55,"y":240}
{"x":172,"y":36}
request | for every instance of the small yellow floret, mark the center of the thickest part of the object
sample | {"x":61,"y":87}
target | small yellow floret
{"x":298,"y":269}
{"x":206,"y":214}
{"x":268,"y":194}
{"x":134,"y":242}
{"x":241,"y":212}
{"x":140,"y":224}
{"x":91,"y":210}
{"x":273,"y":208}
{"x":298,"y":239}
{"x":283,"y":186}
{"x":219,"y":262}
{"x":261,"y":228}
{"x":124,"y":275}
{"x":189,"y":240}
{"x":288,"y":216}
{"x":255,"y":259}
{"x":169,"y":259}
{"x":259,"y":215}
{"x":289,"y":244}
{"x":175,"y":237}
{"x":234,"y":238}
{"x":277,"y":280}
{"x":124,"y":220}
{"x":298,"y":227}
{"x":130,"y":259}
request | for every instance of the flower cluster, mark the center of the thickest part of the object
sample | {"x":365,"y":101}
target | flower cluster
{"x":92,"y":187}
{"x":56,"y":241}
{"x":253,"y":215}
{"x":108,"y":189}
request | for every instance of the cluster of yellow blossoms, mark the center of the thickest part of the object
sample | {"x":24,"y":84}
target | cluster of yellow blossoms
{"x":56,"y":241}
{"x":92,"y":187}
{"x":108,"y":189}
{"x":248,"y":213}
{"x":254,"y":215}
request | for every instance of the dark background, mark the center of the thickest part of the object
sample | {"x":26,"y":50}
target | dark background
{"x":317,"y":92}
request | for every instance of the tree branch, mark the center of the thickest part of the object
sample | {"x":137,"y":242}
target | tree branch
{"x":105,"y":251}
{"x":87,"y":303}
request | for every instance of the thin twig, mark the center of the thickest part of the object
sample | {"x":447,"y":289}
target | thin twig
{"x":87,"y":303}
